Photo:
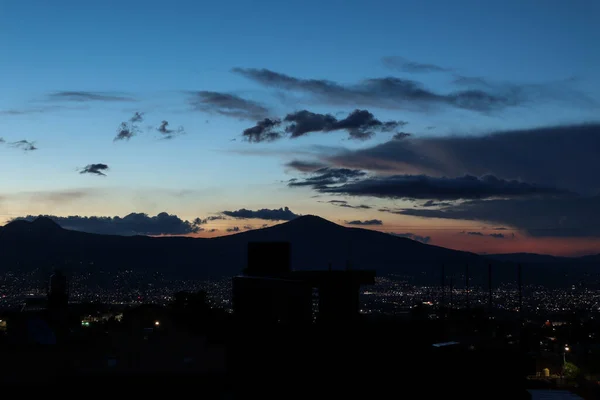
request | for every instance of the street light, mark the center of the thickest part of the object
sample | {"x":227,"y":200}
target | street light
{"x":567,"y":349}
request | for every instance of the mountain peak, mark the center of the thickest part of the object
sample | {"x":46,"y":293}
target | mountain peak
{"x":311,"y":221}
{"x":44,"y":223}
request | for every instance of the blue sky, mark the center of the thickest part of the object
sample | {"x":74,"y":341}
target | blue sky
{"x":159,"y":52}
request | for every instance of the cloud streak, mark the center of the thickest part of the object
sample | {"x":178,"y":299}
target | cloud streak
{"x":227,"y":104}
{"x":404,"y":65}
{"x":369,"y":222}
{"x":24,"y":145}
{"x":96,"y":169}
{"x":85,"y":96}
{"x":352,"y":183}
{"x":281,"y":214}
{"x":396,"y":93}
{"x":418,"y":238}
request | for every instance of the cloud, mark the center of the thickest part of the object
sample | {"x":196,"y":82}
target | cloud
{"x":282,"y":214}
{"x":322,"y":178}
{"x":129,"y":129}
{"x":396,"y":93}
{"x":344,"y":203}
{"x":492,"y":235}
{"x":421,"y":186}
{"x":97,"y":169}
{"x":559,"y":156}
{"x":360,"y":124}
{"x":365,"y":223}
{"x":305,"y":166}
{"x":248,"y":227}
{"x":228,"y":104}
{"x":132,"y":224}
{"x":169,"y":133}
{"x":137,"y":117}
{"x":83,"y":96}
{"x":567,"y":216}
{"x":418,"y":238}
{"x":234,"y":229}
{"x":24,"y":145}
{"x":404,"y":65}
{"x":202,"y":221}
{"x":263,"y":131}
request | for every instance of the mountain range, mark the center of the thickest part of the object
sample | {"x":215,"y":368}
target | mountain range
{"x":316,"y":244}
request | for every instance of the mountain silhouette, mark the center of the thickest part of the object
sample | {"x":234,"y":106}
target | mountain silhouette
{"x":316,"y":244}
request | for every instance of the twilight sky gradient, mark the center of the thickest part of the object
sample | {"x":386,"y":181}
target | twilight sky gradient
{"x":478,"y":125}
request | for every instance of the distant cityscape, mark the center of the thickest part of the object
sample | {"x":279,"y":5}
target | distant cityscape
{"x":391,"y":295}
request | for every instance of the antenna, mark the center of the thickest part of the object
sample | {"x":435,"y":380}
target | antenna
{"x":490,"y":287}
{"x":443,"y":287}
{"x":520,"y":284}
{"x":451,"y":290}
{"x":467,"y":283}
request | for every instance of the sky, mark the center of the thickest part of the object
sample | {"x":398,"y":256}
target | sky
{"x":467,"y":124}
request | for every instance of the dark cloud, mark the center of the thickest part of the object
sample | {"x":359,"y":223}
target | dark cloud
{"x":131,"y":224}
{"x":560,"y":156}
{"x":360,"y":124}
{"x":228,"y":104}
{"x":24,"y":145}
{"x":392,"y":92}
{"x":418,"y":238}
{"x":129,"y":129}
{"x":248,"y":227}
{"x":97,"y":169}
{"x":431,"y":203}
{"x":569,"y":216}
{"x":492,"y":235}
{"x":202,"y":221}
{"x":474,"y":233}
{"x":234,"y":229}
{"x":305,"y":166}
{"x":400,"y":136}
{"x":137,"y":117}
{"x":365,"y":223}
{"x":344,"y":203}
{"x":423,"y":186}
{"x":324,"y":177}
{"x":83,"y":96}
{"x":167,"y":133}
{"x":282,"y":214}
{"x":263,"y":131}
{"x":404,"y":65}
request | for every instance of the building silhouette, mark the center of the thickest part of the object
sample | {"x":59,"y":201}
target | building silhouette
{"x":269,"y":291}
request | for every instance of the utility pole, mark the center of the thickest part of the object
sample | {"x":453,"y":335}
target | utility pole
{"x":443,"y":287}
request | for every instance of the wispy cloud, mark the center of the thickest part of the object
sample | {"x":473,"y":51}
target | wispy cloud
{"x":86,"y":96}
{"x":397,"y":93}
{"x":96,"y":169}
{"x":167,"y":133}
{"x":404,"y":65}
{"x":24,"y":145}
{"x":365,"y":223}
{"x":228,"y":104}
{"x":418,"y":238}
{"x":129,"y":129}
